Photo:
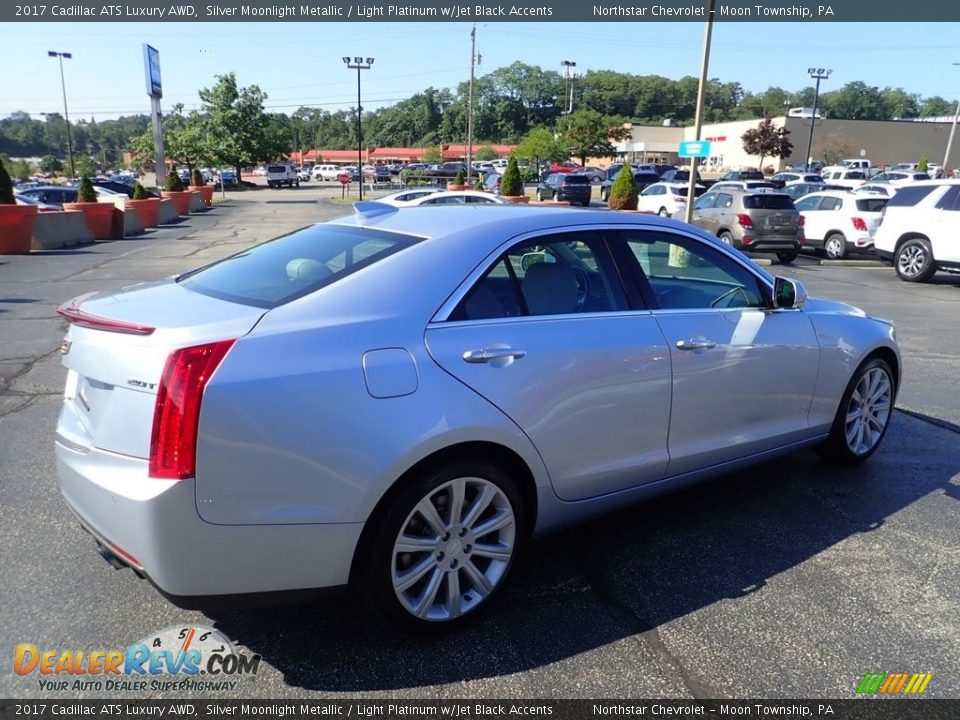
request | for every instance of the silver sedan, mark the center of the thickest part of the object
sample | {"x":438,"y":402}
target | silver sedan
{"x":399,"y":399}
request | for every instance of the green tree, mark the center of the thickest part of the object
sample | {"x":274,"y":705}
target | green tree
{"x":590,"y":134}
{"x":238,"y":131}
{"x":84,"y":165}
{"x":936,"y":106}
{"x":623,"y":193}
{"x":85,"y":192}
{"x":20,"y":169}
{"x":48,"y":163}
{"x":432,"y":154}
{"x":834,"y":148}
{"x":765,"y":140}
{"x":510,"y":184}
{"x":540,"y":144}
{"x":486,"y":153}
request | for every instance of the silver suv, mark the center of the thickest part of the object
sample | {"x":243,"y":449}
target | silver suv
{"x":758,"y":221}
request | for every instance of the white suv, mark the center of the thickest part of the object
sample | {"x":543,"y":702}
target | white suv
{"x":282,"y":174}
{"x":919,"y":228}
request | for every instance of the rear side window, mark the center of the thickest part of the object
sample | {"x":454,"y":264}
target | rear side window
{"x":871,"y":204}
{"x":276,"y":169}
{"x":279,"y":271}
{"x":909,"y":195}
{"x":767,"y":201}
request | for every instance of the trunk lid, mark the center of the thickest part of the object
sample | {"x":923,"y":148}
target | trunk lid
{"x":115,"y":351}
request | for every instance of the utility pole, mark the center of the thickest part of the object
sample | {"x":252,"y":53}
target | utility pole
{"x":701,"y":96}
{"x":568,"y":86}
{"x":66,"y":115}
{"x":953,"y":131}
{"x":817,"y":74}
{"x":473,"y":60}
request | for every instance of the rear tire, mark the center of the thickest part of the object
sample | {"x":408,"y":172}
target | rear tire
{"x":444,"y":547}
{"x":914,"y":261}
{"x":539,"y":196}
{"x":726,"y":238}
{"x":835,"y":247}
{"x":864,"y":414}
{"x":787,"y":256}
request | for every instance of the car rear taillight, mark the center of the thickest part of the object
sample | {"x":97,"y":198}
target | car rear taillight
{"x":173,"y":443}
{"x":72,"y":312}
{"x":803,"y":222}
{"x":744,"y":220}
{"x":859,"y":224}
{"x":679,"y":199}
{"x":747,"y":240}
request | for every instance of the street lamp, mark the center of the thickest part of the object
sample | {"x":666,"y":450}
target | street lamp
{"x":66,"y":116}
{"x":817,"y":74}
{"x":569,"y":85}
{"x":953,"y":130}
{"x":358,"y":64}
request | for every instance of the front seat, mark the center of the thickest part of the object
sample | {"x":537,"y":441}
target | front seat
{"x":550,"y":289}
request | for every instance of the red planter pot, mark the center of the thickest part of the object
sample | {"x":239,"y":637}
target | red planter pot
{"x":206,"y":193}
{"x":181,"y":200}
{"x":451,"y":186}
{"x":148,"y":211}
{"x":516,"y":199}
{"x":16,"y":228}
{"x":97,"y":215}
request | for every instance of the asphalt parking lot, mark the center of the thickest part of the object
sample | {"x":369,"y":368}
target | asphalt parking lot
{"x":793,"y":579}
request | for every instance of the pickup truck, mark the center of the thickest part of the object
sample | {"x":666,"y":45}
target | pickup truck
{"x":862,"y":164}
{"x":844,"y":177}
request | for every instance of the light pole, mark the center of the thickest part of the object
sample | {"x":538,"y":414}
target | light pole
{"x":66,"y":116}
{"x":569,"y":85}
{"x":359,"y":64}
{"x":953,"y":130}
{"x":701,"y":100}
{"x":817,"y":74}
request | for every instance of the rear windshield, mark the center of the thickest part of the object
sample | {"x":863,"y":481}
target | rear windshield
{"x":576,"y":180}
{"x":908,"y":195}
{"x":279,"y":271}
{"x":767,"y":201}
{"x":874,"y":204}
{"x":648,"y":178}
{"x":277,"y":169}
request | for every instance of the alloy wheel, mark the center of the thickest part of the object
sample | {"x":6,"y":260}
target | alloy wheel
{"x":911,"y":260}
{"x":453,"y":549}
{"x":868,"y":411}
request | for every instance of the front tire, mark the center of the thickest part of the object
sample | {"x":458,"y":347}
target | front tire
{"x":914,"y":261}
{"x":864,"y":413}
{"x":726,"y":238}
{"x":444,"y":547}
{"x":540,"y":196}
{"x":663,"y":212}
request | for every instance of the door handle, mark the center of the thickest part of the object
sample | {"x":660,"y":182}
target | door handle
{"x":488,"y":354}
{"x":695,"y":344}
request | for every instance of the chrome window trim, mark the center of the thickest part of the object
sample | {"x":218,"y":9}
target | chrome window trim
{"x":453,"y":300}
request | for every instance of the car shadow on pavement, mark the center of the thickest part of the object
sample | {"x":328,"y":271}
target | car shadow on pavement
{"x":622,"y":576}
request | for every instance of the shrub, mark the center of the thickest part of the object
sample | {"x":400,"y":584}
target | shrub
{"x":529,"y":174}
{"x":460,"y":179}
{"x":85,"y":192}
{"x":924,"y":164}
{"x":139,"y":193}
{"x":196,"y":179}
{"x":6,"y":187}
{"x":478,"y":185}
{"x":510,"y":184}
{"x":623,"y":192}
{"x":173,"y":184}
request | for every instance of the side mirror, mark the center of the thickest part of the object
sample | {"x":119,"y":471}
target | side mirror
{"x":788,"y":294}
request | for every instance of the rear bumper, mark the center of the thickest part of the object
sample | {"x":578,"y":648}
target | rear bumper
{"x":771,"y":244}
{"x":153,"y":526}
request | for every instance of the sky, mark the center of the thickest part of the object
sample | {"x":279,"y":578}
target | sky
{"x":300,"y":63}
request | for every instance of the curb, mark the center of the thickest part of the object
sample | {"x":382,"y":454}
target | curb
{"x":854,"y":263}
{"x":945,"y":424}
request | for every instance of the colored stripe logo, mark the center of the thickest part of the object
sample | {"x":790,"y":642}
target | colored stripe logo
{"x":894,"y":683}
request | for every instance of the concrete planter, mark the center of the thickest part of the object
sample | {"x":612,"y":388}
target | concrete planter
{"x":147,"y":211}
{"x":16,"y":228}
{"x":98,"y":216}
{"x":516,"y":199}
{"x":181,"y":200}
{"x":206,"y":193}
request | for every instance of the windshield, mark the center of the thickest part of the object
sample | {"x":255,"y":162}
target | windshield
{"x":767,"y":201}
{"x":292,"y":266}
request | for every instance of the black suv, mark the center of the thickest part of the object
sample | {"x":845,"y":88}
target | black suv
{"x":566,"y":186}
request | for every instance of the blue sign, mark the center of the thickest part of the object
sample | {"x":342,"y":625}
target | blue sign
{"x":151,"y":61}
{"x":694,"y":148}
